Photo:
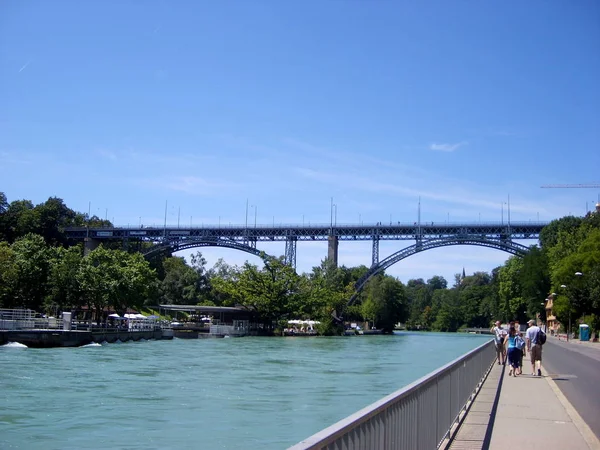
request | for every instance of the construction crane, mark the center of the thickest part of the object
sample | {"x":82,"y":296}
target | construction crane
{"x":570,"y":186}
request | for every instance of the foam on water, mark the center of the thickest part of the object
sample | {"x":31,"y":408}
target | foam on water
{"x":93,"y":344}
{"x":14,"y":345}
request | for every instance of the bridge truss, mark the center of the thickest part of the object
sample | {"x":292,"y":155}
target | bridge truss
{"x":375,"y":232}
{"x":499,"y":236}
{"x":504,"y":245}
{"x":245,"y":239}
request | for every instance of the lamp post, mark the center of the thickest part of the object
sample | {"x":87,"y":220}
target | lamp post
{"x":579,"y":275}
{"x":255,"y":212}
{"x":570,"y":294}
{"x":88,"y":219}
{"x":331,"y":214}
{"x":569,"y":297}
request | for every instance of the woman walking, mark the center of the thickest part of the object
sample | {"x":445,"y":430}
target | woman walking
{"x":514,"y":354}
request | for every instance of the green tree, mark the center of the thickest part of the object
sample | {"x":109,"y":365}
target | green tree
{"x":97,"y":277}
{"x":180,"y":285}
{"x":8,"y":275}
{"x":393,"y":305}
{"x":198,"y":263}
{"x":32,"y":260}
{"x":535,"y":282}
{"x":137,"y":281}
{"x":580,"y":288}
{"x":419,"y":297}
{"x":19,"y":219}
{"x":449,"y":316}
{"x":437,"y":282}
{"x":512,"y":304}
{"x":549,"y":235}
{"x":272,"y":292}
{"x":53,"y":216}
{"x":114,"y":279}
{"x":64,"y":292}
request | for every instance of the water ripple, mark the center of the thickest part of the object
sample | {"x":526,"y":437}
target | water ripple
{"x":266,"y":393}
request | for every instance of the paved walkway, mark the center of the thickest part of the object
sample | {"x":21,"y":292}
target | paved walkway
{"x":526,"y":411}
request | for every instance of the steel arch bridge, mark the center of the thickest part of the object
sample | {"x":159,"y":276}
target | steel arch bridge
{"x":245,"y":238}
{"x":176,"y":245}
{"x":505,"y":245}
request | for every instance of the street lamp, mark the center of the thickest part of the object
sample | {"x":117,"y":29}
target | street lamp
{"x":579,"y":274}
{"x":563,"y":286}
{"x":255,"y":211}
{"x":331,"y":213}
{"x":569,"y":298}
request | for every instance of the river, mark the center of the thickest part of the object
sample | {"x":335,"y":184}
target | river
{"x":250,"y":393}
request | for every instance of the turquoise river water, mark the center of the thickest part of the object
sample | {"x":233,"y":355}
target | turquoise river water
{"x":245,"y":393}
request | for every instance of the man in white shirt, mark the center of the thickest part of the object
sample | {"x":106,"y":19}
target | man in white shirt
{"x":499,"y":334}
{"x":534,"y":348}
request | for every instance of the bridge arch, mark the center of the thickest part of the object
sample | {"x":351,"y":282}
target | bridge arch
{"x":176,"y":245}
{"x":504,"y":245}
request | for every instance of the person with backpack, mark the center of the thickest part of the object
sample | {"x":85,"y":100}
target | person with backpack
{"x":535,"y":339}
{"x":513,"y":351}
{"x":520,"y":345}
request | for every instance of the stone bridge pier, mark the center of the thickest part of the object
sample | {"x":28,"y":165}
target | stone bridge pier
{"x":90,"y":244}
{"x":332,"y":249}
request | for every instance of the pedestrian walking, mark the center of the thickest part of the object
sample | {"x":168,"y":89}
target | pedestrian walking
{"x":499,"y":334}
{"x":534,"y":347}
{"x":520,"y":345}
{"x":513,"y":352}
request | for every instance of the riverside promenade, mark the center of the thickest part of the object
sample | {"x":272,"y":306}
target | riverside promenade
{"x":528,"y":411}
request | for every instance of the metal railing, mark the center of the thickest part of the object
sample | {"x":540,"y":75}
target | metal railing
{"x":416,"y":417}
{"x":27,"y":319}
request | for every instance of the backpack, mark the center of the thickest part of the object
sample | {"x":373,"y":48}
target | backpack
{"x":540,"y":337}
{"x":519,"y":342}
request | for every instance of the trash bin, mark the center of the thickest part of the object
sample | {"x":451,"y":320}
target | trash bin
{"x":584,"y":332}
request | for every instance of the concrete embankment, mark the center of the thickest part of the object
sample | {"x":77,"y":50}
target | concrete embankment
{"x":63,"y":338}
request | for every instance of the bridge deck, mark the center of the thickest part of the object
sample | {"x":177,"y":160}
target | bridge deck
{"x":515,"y":230}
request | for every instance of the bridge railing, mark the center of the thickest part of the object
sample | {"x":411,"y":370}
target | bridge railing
{"x":276,"y":225}
{"x":418,"y":416}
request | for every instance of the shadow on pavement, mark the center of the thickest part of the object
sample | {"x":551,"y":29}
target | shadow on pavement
{"x":490,"y":427}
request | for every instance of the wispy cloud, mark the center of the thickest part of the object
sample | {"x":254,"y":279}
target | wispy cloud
{"x":444,"y":193}
{"x":108,"y":154}
{"x":189,"y":184}
{"x":24,"y":66}
{"x":11,"y":158}
{"x":446,"y":147}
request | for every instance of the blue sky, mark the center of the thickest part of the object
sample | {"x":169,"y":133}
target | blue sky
{"x":204,"y":104}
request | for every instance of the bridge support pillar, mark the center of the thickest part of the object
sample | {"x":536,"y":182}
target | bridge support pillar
{"x":89,"y":245}
{"x":290,"y":251}
{"x":375,"y":253}
{"x":332,"y":249}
